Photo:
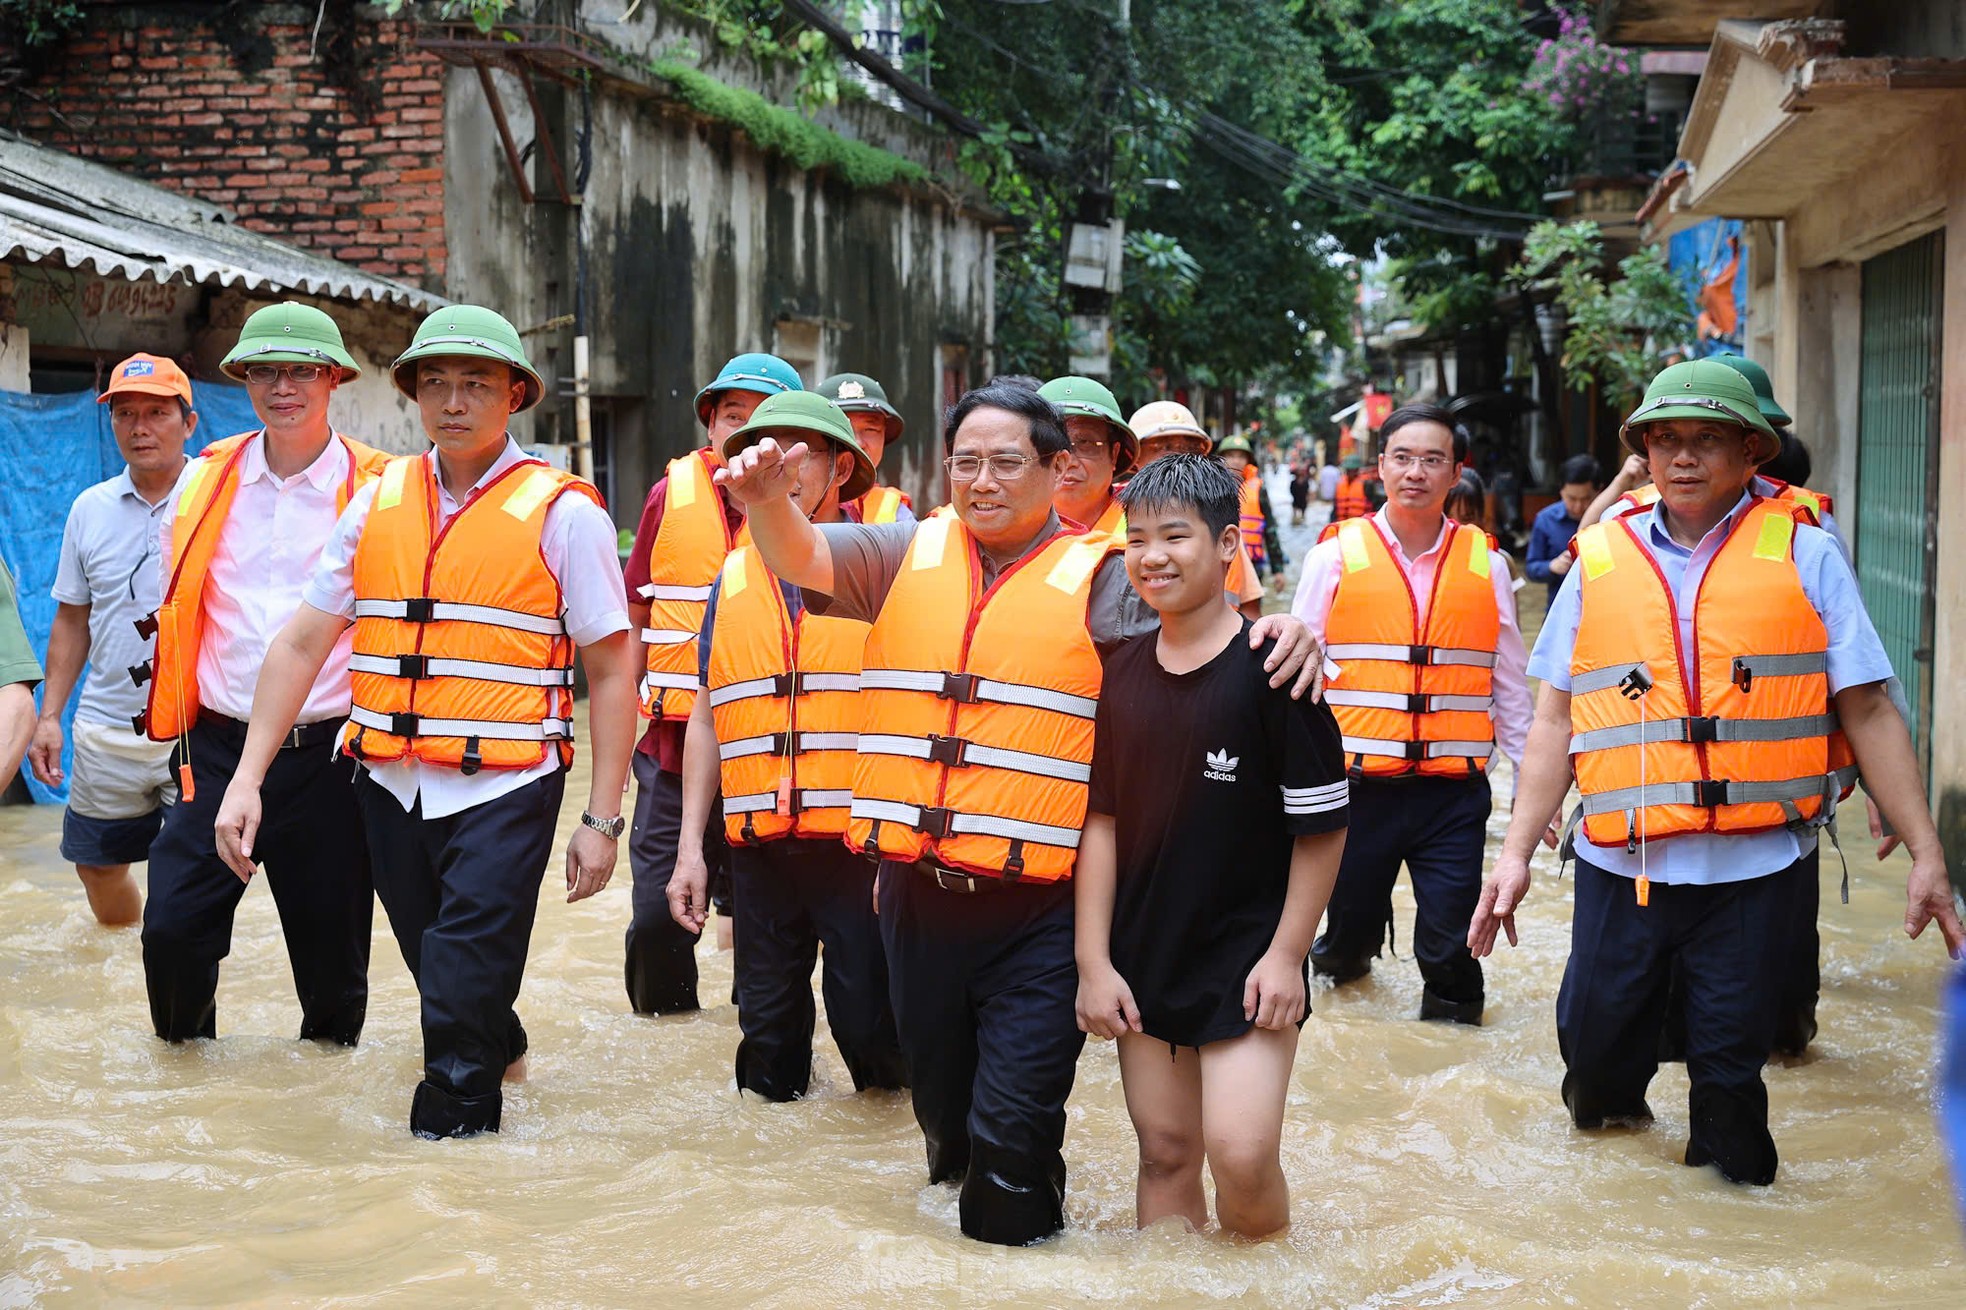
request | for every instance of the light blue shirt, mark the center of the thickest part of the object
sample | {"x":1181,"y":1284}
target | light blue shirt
{"x":1856,"y":657}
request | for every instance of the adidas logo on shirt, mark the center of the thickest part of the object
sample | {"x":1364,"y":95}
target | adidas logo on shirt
{"x":1221,"y":766}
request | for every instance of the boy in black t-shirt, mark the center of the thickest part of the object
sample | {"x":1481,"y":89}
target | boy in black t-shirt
{"x":1197,"y":903}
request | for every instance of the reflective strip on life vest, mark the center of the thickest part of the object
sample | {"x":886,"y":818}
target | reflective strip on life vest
{"x":1780,"y":666}
{"x":1702,"y":730}
{"x":420,"y":666}
{"x":1418,"y":750}
{"x":666,"y":591}
{"x":982,"y":825}
{"x":956,"y":753}
{"x":774,"y":744}
{"x":802,"y":800}
{"x":440,"y":611}
{"x":489,"y":729}
{"x":980,"y":689}
{"x":1709,"y":795}
{"x":1368,"y":650}
{"x":674,"y":681}
{"x":1415,"y":704}
{"x":669,"y":637}
{"x":752,"y":688}
{"x":1582,"y":684}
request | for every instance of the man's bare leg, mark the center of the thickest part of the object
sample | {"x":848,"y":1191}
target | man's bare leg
{"x":515,"y":1072}
{"x":1164,"y":1099}
{"x":1243,"y":1085}
{"x":113,"y":894}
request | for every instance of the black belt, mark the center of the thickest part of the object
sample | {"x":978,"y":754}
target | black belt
{"x":299,"y":736}
{"x":954,"y":880}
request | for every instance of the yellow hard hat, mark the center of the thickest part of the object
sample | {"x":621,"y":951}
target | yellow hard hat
{"x":1166,"y":418}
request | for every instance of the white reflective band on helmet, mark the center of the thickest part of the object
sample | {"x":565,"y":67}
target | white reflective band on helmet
{"x":1435,"y":655}
{"x":1044,"y":766}
{"x":665,"y":591}
{"x":1690,"y":793}
{"x":1397,"y":700}
{"x":1432,"y":750}
{"x":1003,"y":693}
{"x":980,"y":825}
{"x":667,"y":636}
{"x":443,"y":611}
{"x":487,"y":729}
{"x":1681,"y":730}
{"x":672,"y":681}
{"x":483,"y":670}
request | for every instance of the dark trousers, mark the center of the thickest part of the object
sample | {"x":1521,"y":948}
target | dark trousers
{"x":1726,"y":942}
{"x":791,"y":897}
{"x":1436,"y":827}
{"x":661,"y":953}
{"x":461,"y":892}
{"x":985,"y":989}
{"x":1800,"y":975}
{"x":311,"y":849}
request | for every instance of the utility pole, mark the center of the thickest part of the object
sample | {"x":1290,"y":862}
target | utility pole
{"x":1093,"y":240}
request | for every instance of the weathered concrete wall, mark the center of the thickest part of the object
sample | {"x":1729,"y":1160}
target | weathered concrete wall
{"x":1949,"y":634}
{"x":700,"y":246}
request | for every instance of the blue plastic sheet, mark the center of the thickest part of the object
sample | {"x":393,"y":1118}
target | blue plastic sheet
{"x":52,"y":448}
{"x":1952,"y":1081}
{"x":1700,"y":253}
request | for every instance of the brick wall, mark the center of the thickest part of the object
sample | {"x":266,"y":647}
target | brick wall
{"x":340,"y":151}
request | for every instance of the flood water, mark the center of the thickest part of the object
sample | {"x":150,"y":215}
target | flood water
{"x":1429,"y":1165}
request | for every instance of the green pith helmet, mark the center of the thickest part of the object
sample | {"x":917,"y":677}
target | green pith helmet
{"x":1235,"y":441}
{"x":1352,"y":463}
{"x":469,"y":332}
{"x":856,"y":393}
{"x":793,"y":416}
{"x":1764,"y":390}
{"x":288,"y":333}
{"x":1701,"y":389}
{"x":1083,"y":396}
{"x":765,"y":374}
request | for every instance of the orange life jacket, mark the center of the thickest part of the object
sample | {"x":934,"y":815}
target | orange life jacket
{"x":689,"y":548}
{"x":1815,"y":503}
{"x":977,"y":707}
{"x":461,"y":656}
{"x":882,"y":504}
{"x":1252,"y":513}
{"x":1734,"y":735}
{"x":179,"y":623}
{"x":1349,"y":501}
{"x":1413,"y":697}
{"x":783,"y":694}
{"x":1112,"y":523}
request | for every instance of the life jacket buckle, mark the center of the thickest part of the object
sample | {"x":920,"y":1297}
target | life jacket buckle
{"x":1418,"y":703}
{"x":781,"y":743}
{"x":140,"y":673}
{"x":137,"y":721}
{"x":935,"y":821}
{"x":1419,"y":654}
{"x":1743,"y":675}
{"x":404,"y":725}
{"x":1703,"y":729}
{"x":959,"y":687}
{"x":419,"y":609}
{"x":473,"y":760}
{"x":1635,"y":684}
{"x":783,"y":684}
{"x":1710,"y":793}
{"x":413,"y":666}
{"x":947,"y":750}
{"x":146,"y":626}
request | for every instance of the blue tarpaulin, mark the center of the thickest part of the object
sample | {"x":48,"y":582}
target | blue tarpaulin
{"x":53,"y":447}
{"x":1697,"y":256}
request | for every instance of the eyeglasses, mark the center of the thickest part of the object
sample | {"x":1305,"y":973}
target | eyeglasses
{"x":1431,"y":463}
{"x":1092,"y":447}
{"x":266,"y":375}
{"x":1004,"y":468}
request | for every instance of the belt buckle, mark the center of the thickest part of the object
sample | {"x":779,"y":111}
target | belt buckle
{"x":949,"y":880}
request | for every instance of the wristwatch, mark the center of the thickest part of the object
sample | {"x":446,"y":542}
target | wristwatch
{"x":609,"y":828}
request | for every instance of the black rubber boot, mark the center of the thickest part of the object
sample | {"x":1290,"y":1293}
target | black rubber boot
{"x":1341,"y":969}
{"x":1729,"y":1134}
{"x":1011,"y":1199}
{"x":1437,"y":1007}
{"x":1591,"y":1112}
{"x":436,"y":1113}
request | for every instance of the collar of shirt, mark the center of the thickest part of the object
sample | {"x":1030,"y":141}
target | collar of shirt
{"x":1399,"y":551}
{"x":446,"y":504}
{"x":1661,"y":539}
{"x":328,"y":469}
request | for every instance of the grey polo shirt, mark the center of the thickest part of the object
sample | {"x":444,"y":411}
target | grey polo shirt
{"x":867,"y":558}
{"x":109,"y":563}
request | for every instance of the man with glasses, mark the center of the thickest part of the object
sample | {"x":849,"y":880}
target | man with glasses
{"x":1418,"y":612}
{"x":242,"y":537}
{"x":980,"y":678}
{"x":119,"y":782}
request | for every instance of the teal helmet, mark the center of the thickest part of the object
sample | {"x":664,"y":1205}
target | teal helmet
{"x":765,"y":374}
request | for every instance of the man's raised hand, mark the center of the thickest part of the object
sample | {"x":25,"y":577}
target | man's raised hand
{"x":762,"y":472}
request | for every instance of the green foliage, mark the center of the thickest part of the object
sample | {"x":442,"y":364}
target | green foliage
{"x":1621,"y":328}
{"x":33,"y":24}
{"x":779,"y":130}
{"x":485,"y":15}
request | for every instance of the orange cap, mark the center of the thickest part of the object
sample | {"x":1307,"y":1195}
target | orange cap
{"x":152,"y":375}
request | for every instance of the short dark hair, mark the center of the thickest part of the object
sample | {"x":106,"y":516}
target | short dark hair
{"x":1047,"y":425}
{"x":1202,"y":483}
{"x":1581,"y":470}
{"x":1421,"y":411}
{"x":1791,"y":463}
{"x":1022,"y":380}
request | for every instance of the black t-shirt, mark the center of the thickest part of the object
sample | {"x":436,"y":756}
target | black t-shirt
{"x":1210,"y":776}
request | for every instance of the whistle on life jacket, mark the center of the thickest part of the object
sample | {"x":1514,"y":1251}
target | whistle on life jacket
{"x":783,"y":805}
{"x":1644,"y":891}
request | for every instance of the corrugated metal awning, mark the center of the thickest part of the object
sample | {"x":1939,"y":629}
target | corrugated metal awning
{"x":68,"y":212}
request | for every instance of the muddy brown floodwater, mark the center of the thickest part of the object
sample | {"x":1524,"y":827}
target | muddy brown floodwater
{"x":1428,"y":1165}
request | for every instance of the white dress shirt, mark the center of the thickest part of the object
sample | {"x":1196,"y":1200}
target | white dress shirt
{"x":267,"y":547}
{"x":1513,"y":709}
{"x":579,"y":547}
